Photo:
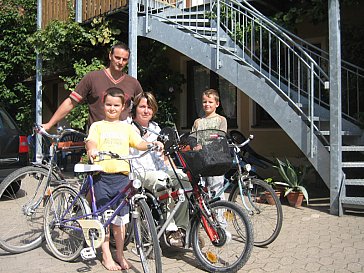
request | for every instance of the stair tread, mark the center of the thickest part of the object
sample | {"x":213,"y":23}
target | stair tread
{"x":344,"y":133}
{"x":352,"y":200}
{"x":352,"y":164}
{"x":185,"y":20}
{"x":354,"y":182}
{"x":207,"y":37}
{"x":351,"y":148}
{"x":207,"y":29}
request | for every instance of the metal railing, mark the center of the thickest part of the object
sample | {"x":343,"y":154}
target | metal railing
{"x":255,"y":42}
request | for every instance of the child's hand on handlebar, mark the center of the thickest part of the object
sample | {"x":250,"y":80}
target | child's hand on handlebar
{"x":159,"y":146}
{"x":92,"y":153}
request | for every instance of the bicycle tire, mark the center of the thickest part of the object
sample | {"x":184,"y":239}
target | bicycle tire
{"x":146,"y":239}
{"x":232,"y":251}
{"x":267,"y":217}
{"x":19,"y":191}
{"x":64,"y":242}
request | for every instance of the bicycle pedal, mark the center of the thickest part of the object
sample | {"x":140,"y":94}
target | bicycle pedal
{"x":107,"y":214}
{"x":88,"y":253}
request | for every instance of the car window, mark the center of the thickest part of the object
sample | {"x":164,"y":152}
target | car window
{"x":5,"y":121}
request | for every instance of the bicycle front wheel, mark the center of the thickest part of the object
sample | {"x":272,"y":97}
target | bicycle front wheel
{"x":264,"y":208}
{"x":63,"y":233}
{"x":230,"y":250}
{"x":22,"y":208}
{"x":145,"y":238}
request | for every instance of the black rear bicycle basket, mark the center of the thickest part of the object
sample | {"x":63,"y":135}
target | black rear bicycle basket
{"x":207,"y":153}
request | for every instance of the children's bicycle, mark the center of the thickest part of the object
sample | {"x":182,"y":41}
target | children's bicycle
{"x":70,"y":224}
{"x":24,"y":193}
{"x":219,"y":232}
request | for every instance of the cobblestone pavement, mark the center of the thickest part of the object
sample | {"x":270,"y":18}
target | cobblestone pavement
{"x":311,"y":240}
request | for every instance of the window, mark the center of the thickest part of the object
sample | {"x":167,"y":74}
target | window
{"x":199,"y":79}
{"x":262,"y":119}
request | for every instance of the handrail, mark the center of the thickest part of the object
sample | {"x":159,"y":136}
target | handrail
{"x":257,"y":42}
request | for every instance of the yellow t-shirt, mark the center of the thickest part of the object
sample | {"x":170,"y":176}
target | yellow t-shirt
{"x":115,"y":137}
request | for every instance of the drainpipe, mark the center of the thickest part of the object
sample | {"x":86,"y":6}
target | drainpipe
{"x":335,"y":105}
{"x":38,"y":89}
{"x":133,"y":38}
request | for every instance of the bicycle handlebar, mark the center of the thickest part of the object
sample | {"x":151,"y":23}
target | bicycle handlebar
{"x":112,"y":155}
{"x":62,"y":131}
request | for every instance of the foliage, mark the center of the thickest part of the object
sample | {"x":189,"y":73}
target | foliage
{"x":63,"y":43}
{"x":17,"y":58}
{"x":79,"y":115}
{"x":293,"y":177}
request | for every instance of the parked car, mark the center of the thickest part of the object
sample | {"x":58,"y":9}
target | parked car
{"x":14,"y":149}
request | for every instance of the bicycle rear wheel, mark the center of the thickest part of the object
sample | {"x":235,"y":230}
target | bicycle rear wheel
{"x":64,"y":235}
{"x":230,"y":251}
{"x":265,"y":210}
{"x":22,"y":208}
{"x":146,"y":239}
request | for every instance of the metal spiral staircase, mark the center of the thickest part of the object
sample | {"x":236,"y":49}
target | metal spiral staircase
{"x":273,"y":67}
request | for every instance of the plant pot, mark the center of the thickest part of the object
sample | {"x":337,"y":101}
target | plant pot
{"x":295,"y":199}
{"x":270,"y":199}
{"x":281,"y":190}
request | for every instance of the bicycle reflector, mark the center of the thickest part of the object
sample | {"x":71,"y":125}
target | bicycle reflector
{"x":137,"y":183}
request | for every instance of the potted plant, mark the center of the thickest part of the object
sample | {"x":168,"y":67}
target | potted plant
{"x":268,"y":196}
{"x":293,"y":181}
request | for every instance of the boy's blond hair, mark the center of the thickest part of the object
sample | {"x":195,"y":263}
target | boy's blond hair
{"x":212,"y":93}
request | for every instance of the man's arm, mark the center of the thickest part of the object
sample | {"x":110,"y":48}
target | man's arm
{"x":67,"y":105}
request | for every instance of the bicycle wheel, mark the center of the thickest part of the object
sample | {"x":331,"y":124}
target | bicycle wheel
{"x":231,"y":251}
{"x":265,"y":210}
{"x":22,"y":209}
{"x":64,"y":236}
{"x":146,"y":239}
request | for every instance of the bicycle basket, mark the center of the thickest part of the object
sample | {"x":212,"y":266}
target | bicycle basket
{"x":210,"y":156}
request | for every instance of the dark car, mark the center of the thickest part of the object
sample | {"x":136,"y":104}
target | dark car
{"x":14,"y":150}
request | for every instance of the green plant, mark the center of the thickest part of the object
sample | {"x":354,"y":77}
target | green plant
{"x":292,"y":176}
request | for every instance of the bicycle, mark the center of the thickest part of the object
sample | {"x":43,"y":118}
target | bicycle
{"x":256,"y":196}
{"x":69,"y":223}
{"x":219,"y":232}
{"x":23,"y":195}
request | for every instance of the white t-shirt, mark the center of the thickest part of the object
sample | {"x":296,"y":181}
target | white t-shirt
{"x":152,"y":161}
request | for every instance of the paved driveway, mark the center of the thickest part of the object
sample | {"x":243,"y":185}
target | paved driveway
{"x":311,"y":240}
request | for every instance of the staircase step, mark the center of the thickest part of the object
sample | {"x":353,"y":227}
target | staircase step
{"x":210,"y":38}
{"x":343,"y":133}
{"x":354,"y":182}
{"x":188,"y":20}
{"x":353,"y":200}
{"x":202,"y":29}
{"x":225,"y":48}
{"x":352,"y":148}
{"x":189,"y":13}
{"x":353,"y":164}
